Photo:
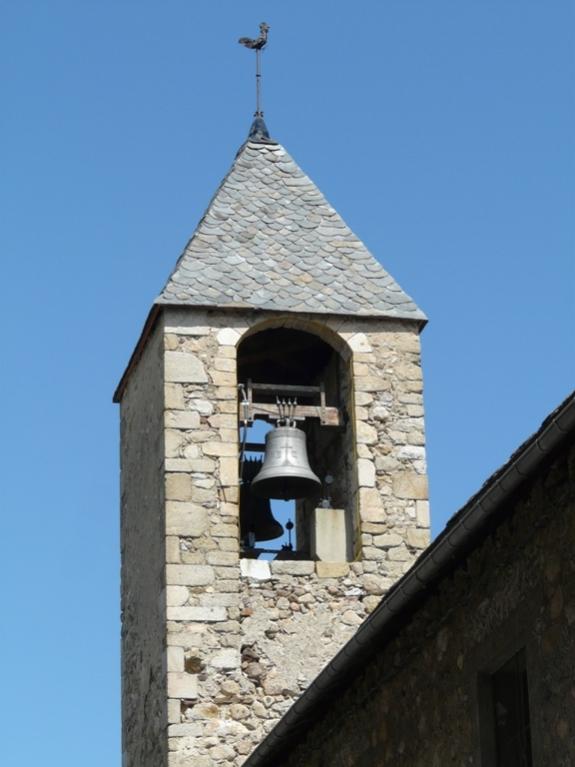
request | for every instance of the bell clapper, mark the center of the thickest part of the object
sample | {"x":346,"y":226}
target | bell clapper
{"x":289,"y":528}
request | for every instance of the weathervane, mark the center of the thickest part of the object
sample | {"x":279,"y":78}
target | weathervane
{"x":257,"y":45}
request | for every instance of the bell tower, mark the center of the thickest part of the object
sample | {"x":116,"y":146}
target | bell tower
{"x":273,"y":479}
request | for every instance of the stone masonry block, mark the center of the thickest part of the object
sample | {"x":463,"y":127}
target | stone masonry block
{"x":187,"y":519}
{"x":366,"y":434}
{"x":184,"y":367}
{"x":176,"y":595}
{"x":418,"y":538}
{"x":370,"y":505}
{"x":223,"y":378}
{"x":292,"y":568}
{"x":172,"y":549}
{"x":174,"y":711}
{"x":175,"y":658}
{"x":189,"y":575}
{"x":223,"y":530}
{"x":365,"y":472}
{"x":182,"y":685}
{"x":199,"y":614}
{"x":331,"y":569}
{"x":358,"y":342}
{"x":182,"y":419}
{"x":180,"y":445}
{"x":203,"y":465}
{"x":422,"y":513}
{"x":174,"y":396}
{"x":408,"y":484}
{"x":225,"y":364}
{"x":388,"y":540}
{"x":371,"y":383}
{"x":221,"y":449}
{"x":228,"y":658}
{"x":372,"y":514}
{"x":399,"y":554}
{"x":227,"y":393}
{"x":258,"y":569}
{"x":225,"y":558}
{"x":178,"y":487}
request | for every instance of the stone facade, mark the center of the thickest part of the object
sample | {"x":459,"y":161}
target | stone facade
{"x":418,"y":701}
{"x":216,"y":648}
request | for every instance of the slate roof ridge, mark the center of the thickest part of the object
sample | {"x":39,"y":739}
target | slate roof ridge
{"x":269,"y":239}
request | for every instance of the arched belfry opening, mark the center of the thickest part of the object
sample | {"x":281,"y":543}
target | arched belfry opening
{"x":296,"y":446}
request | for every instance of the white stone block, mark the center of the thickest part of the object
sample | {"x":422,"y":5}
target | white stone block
{"x":329,"y":538}
{"x":365,"y":472}
{"x":184,"y":367}
{"x":182,"y":685}
{"x":258,"y":569}
{"x":175,"y":658}
{"x":228,"y":337}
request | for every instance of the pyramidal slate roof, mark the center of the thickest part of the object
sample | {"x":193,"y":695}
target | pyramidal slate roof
{"x":270,"y":240}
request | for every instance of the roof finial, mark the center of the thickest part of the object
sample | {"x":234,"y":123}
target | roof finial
{"x":257,"y":45}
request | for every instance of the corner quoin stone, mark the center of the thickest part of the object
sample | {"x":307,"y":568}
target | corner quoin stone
{"x":181,"y":367}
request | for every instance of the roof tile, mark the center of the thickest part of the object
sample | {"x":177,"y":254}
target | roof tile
{"x":270,"y":239}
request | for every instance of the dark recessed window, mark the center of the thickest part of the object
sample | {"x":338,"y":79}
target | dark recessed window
{"x":506,"y":736}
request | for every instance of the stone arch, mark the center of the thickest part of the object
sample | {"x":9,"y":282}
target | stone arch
{"x":286,"y":352}
{"x":306,"y":324}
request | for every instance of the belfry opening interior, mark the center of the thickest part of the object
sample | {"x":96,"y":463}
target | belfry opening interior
{"x":297,"y":477}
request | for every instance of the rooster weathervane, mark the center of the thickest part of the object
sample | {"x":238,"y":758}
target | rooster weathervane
{"x":257,"y":45}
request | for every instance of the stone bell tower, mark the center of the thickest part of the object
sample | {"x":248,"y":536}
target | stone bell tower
{"x":224,"y":623}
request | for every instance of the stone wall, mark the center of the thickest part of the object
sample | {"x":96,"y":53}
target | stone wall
{"x":244,"y":639}
{"x":144,"y":693}
{"x":418,"y":702}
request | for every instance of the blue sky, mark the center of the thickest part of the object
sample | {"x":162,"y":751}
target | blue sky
{"x":442,"y":132}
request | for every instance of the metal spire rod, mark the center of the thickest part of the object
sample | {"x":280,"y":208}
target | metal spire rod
{"x":257,"y":44}
{"x":259,"y":112}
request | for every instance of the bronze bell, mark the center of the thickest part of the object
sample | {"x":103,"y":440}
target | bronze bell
{"x":257,"y":523}
{"x":286,"y":472}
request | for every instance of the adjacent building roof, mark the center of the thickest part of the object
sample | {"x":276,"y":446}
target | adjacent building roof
{"x":270,"y":240}
{"x":464,"y":531}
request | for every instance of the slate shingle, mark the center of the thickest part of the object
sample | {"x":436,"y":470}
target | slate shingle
{"x":269,"y":239}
